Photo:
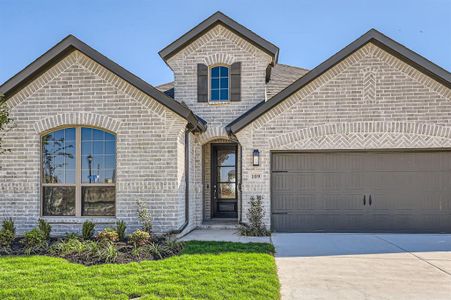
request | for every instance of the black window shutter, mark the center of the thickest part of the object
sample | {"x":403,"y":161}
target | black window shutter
{"x":202,"y":83}
{"x":235,"y":82}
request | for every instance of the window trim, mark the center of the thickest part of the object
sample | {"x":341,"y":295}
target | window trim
{"x":229,"y":67}
{"x":78,"y":182}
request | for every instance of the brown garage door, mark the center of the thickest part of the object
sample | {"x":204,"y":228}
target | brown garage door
{"x":361,"y":192}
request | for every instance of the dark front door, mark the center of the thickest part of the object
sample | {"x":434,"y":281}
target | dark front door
{"x":224,"y":181}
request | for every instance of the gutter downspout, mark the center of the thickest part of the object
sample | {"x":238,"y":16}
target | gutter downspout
{"x":180,"y":230}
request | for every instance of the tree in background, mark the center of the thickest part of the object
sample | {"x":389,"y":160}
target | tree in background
{"x":4,"y":121}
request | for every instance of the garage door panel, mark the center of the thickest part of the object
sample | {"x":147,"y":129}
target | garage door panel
{"x":410,"y":191}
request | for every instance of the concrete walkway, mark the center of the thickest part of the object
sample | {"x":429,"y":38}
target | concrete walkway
{"x":223,"y":235}
{"x":364,"y":266}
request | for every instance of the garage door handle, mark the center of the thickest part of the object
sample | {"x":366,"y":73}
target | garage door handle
{"x":370,"y":200}
{"x":364,"y":199}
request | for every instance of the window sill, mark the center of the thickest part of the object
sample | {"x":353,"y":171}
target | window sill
{"x":218,"y":102}
{"x":80,"y":220}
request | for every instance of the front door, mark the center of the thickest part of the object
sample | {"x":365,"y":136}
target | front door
{"x":224,"y":181}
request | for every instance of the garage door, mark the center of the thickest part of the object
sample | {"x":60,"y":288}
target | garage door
{"x":361,"y":192}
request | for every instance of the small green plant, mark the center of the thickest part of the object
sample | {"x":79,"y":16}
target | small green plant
{"x":7,"y":234}
{"x":108,"y":234}
{"x":87,"y":230}
{"x":120,"y":229}
{"x":6,"y":239}
{"x":108,"y":252}
{"x":45,"y":227}
{"x":8,"y":225}
{"x":35,"y":241}
{"x":71,"y":236}
{"x":139,"y":238}
{"x":255,"y":215}
{"x":144,"y":217}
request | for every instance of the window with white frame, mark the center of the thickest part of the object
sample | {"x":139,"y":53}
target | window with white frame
{"x":78,"y":172}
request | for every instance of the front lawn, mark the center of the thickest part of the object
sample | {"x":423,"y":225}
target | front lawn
{"x":204,"y":270}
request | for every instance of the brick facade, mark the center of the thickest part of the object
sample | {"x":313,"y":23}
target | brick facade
{"x":370,"y":100}
{"x":78,"y":91}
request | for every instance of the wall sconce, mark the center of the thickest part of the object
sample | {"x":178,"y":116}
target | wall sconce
{"x":256,"y":157}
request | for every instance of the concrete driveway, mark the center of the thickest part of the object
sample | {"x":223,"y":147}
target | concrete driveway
{"x":363,"y":266}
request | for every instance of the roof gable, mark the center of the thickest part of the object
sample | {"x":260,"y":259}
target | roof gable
{"x":71,"y":43}
{"x":210,"y":22}
{"x":373,"y":36}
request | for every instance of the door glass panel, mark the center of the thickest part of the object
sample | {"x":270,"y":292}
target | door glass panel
{"x":226,"y":157}
{"x":227,"y":191}
{"x":226,"y":174}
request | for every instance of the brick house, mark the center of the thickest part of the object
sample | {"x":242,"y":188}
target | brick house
{"x":360,"y":143}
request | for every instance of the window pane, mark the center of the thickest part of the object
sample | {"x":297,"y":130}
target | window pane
{"x":59,"y":201}
{"x":215,"y":72}
{"x":214,"y":95}
{"x":98,"y":157}
{"x":226,"y":191}
{"x":110,"y":147}
{"x":215,"y":83}
{"x":70,"y":134}
{"x":224,"y":71}
{"x":226,"y":157}
{"x":98,"y":201}
{"x":58,"y":156}
{"x":97,"y":147}
{"x":98,"y":135}
{"x":224,"y":83}
{"x":225,"y":94}
{"x":86,"y":134}
{"x":226,"y":174}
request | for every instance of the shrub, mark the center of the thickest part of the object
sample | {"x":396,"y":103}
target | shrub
{"x":6,"y":239}
{"x":35,"y":241}
{"x":144,"y":217}
{"x":255,"y":215}
{"x":7,"y":234}
{"x":87,"y":230}
{"x":45,"y":227}
{"x":71,"y":236}
{"x":139,"y":238}
{"x":108,"y":234}
{"x":8,"y":225}
{"x":120,"y":229}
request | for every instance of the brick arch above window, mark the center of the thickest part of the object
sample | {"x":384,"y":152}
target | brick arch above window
{"x":77,"y":118}
{"x":219,"y":59}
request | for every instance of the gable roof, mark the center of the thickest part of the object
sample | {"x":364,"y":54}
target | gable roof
{"x":71,"y":43}
{"x":219,"y":18}
{"x":373,"y":36}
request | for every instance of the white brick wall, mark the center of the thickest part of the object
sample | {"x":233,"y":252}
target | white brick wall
{"x":370,"y":100}
{"x":150,"y":144}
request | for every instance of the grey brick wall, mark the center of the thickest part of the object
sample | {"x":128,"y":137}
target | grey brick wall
{"x":218,"y":46}
{"x":150,"y":144}
{"x":371,"y":100}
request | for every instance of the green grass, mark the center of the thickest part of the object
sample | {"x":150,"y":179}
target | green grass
{"x":205,"y":270}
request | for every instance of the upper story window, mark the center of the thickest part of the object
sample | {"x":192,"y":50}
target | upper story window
{"x":79,"y":172}
{"x":219,"y":83}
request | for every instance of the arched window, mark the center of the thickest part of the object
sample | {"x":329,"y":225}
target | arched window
{"x":219,"y":83}
{"x":79,"y":172}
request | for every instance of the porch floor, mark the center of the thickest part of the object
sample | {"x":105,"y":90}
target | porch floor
{"x":222,"y":235}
